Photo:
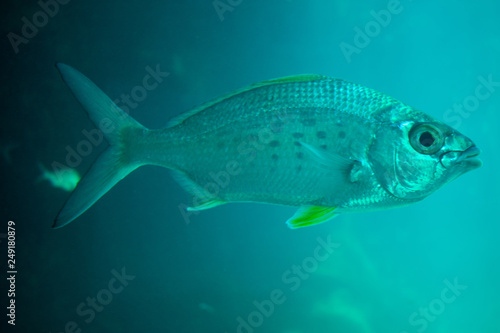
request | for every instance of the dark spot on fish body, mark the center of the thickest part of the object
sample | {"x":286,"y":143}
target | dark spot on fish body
{"x":274,"y":157}
{"x":299,"y":168}
{"x":323,"y":147}
{"x":297,"y":144}
{"x":321,"y":134}
{"x":297,"y":135}
{"x":274,"y":143}
{"x":341,"y":134}
{"x":300,"y":155}
{"x":220,"y":145}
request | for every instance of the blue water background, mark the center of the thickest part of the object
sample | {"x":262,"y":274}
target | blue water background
{"x":221,"y":269}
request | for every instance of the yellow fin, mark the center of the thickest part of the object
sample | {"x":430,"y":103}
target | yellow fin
{"x":289,"y":79}
{"x":207,"y":204}
{"x":203,"y":199}
{"x":310,"y":215}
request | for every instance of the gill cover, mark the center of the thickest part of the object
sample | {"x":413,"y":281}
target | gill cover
{"x":405,"y":158}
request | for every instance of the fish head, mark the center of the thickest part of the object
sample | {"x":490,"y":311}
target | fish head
{"x":412,"y":159}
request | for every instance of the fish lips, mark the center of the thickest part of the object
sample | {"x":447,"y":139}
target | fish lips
{"x":464,"y":159}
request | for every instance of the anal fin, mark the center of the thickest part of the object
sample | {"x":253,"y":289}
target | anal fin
{"x":206,"y":205}
{"x":202,"y":199}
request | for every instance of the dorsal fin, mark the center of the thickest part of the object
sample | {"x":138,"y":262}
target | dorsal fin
{"x":287,"y":79}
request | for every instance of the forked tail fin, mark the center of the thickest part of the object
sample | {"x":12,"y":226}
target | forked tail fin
{"x":115,"y":162}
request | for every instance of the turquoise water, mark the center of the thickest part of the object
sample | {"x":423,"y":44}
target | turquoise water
{"x":134,"y":263}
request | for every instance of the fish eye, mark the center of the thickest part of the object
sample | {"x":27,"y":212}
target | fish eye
{"x":426,"y":138}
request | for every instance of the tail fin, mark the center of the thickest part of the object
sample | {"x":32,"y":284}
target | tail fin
{"x":115,"y":162}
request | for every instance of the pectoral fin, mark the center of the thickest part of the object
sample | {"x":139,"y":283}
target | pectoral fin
{"x":310,"y":215}
{"x":337,"y":170}
{"x":329,"y":161}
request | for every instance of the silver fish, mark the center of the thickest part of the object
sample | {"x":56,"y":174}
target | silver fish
{"x":325,"y":145}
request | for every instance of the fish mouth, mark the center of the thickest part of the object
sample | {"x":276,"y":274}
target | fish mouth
{"x":467,"y":158}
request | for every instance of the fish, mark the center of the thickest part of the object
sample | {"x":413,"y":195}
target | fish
{"x":65,"y":179}
{"x":322,"y":144}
